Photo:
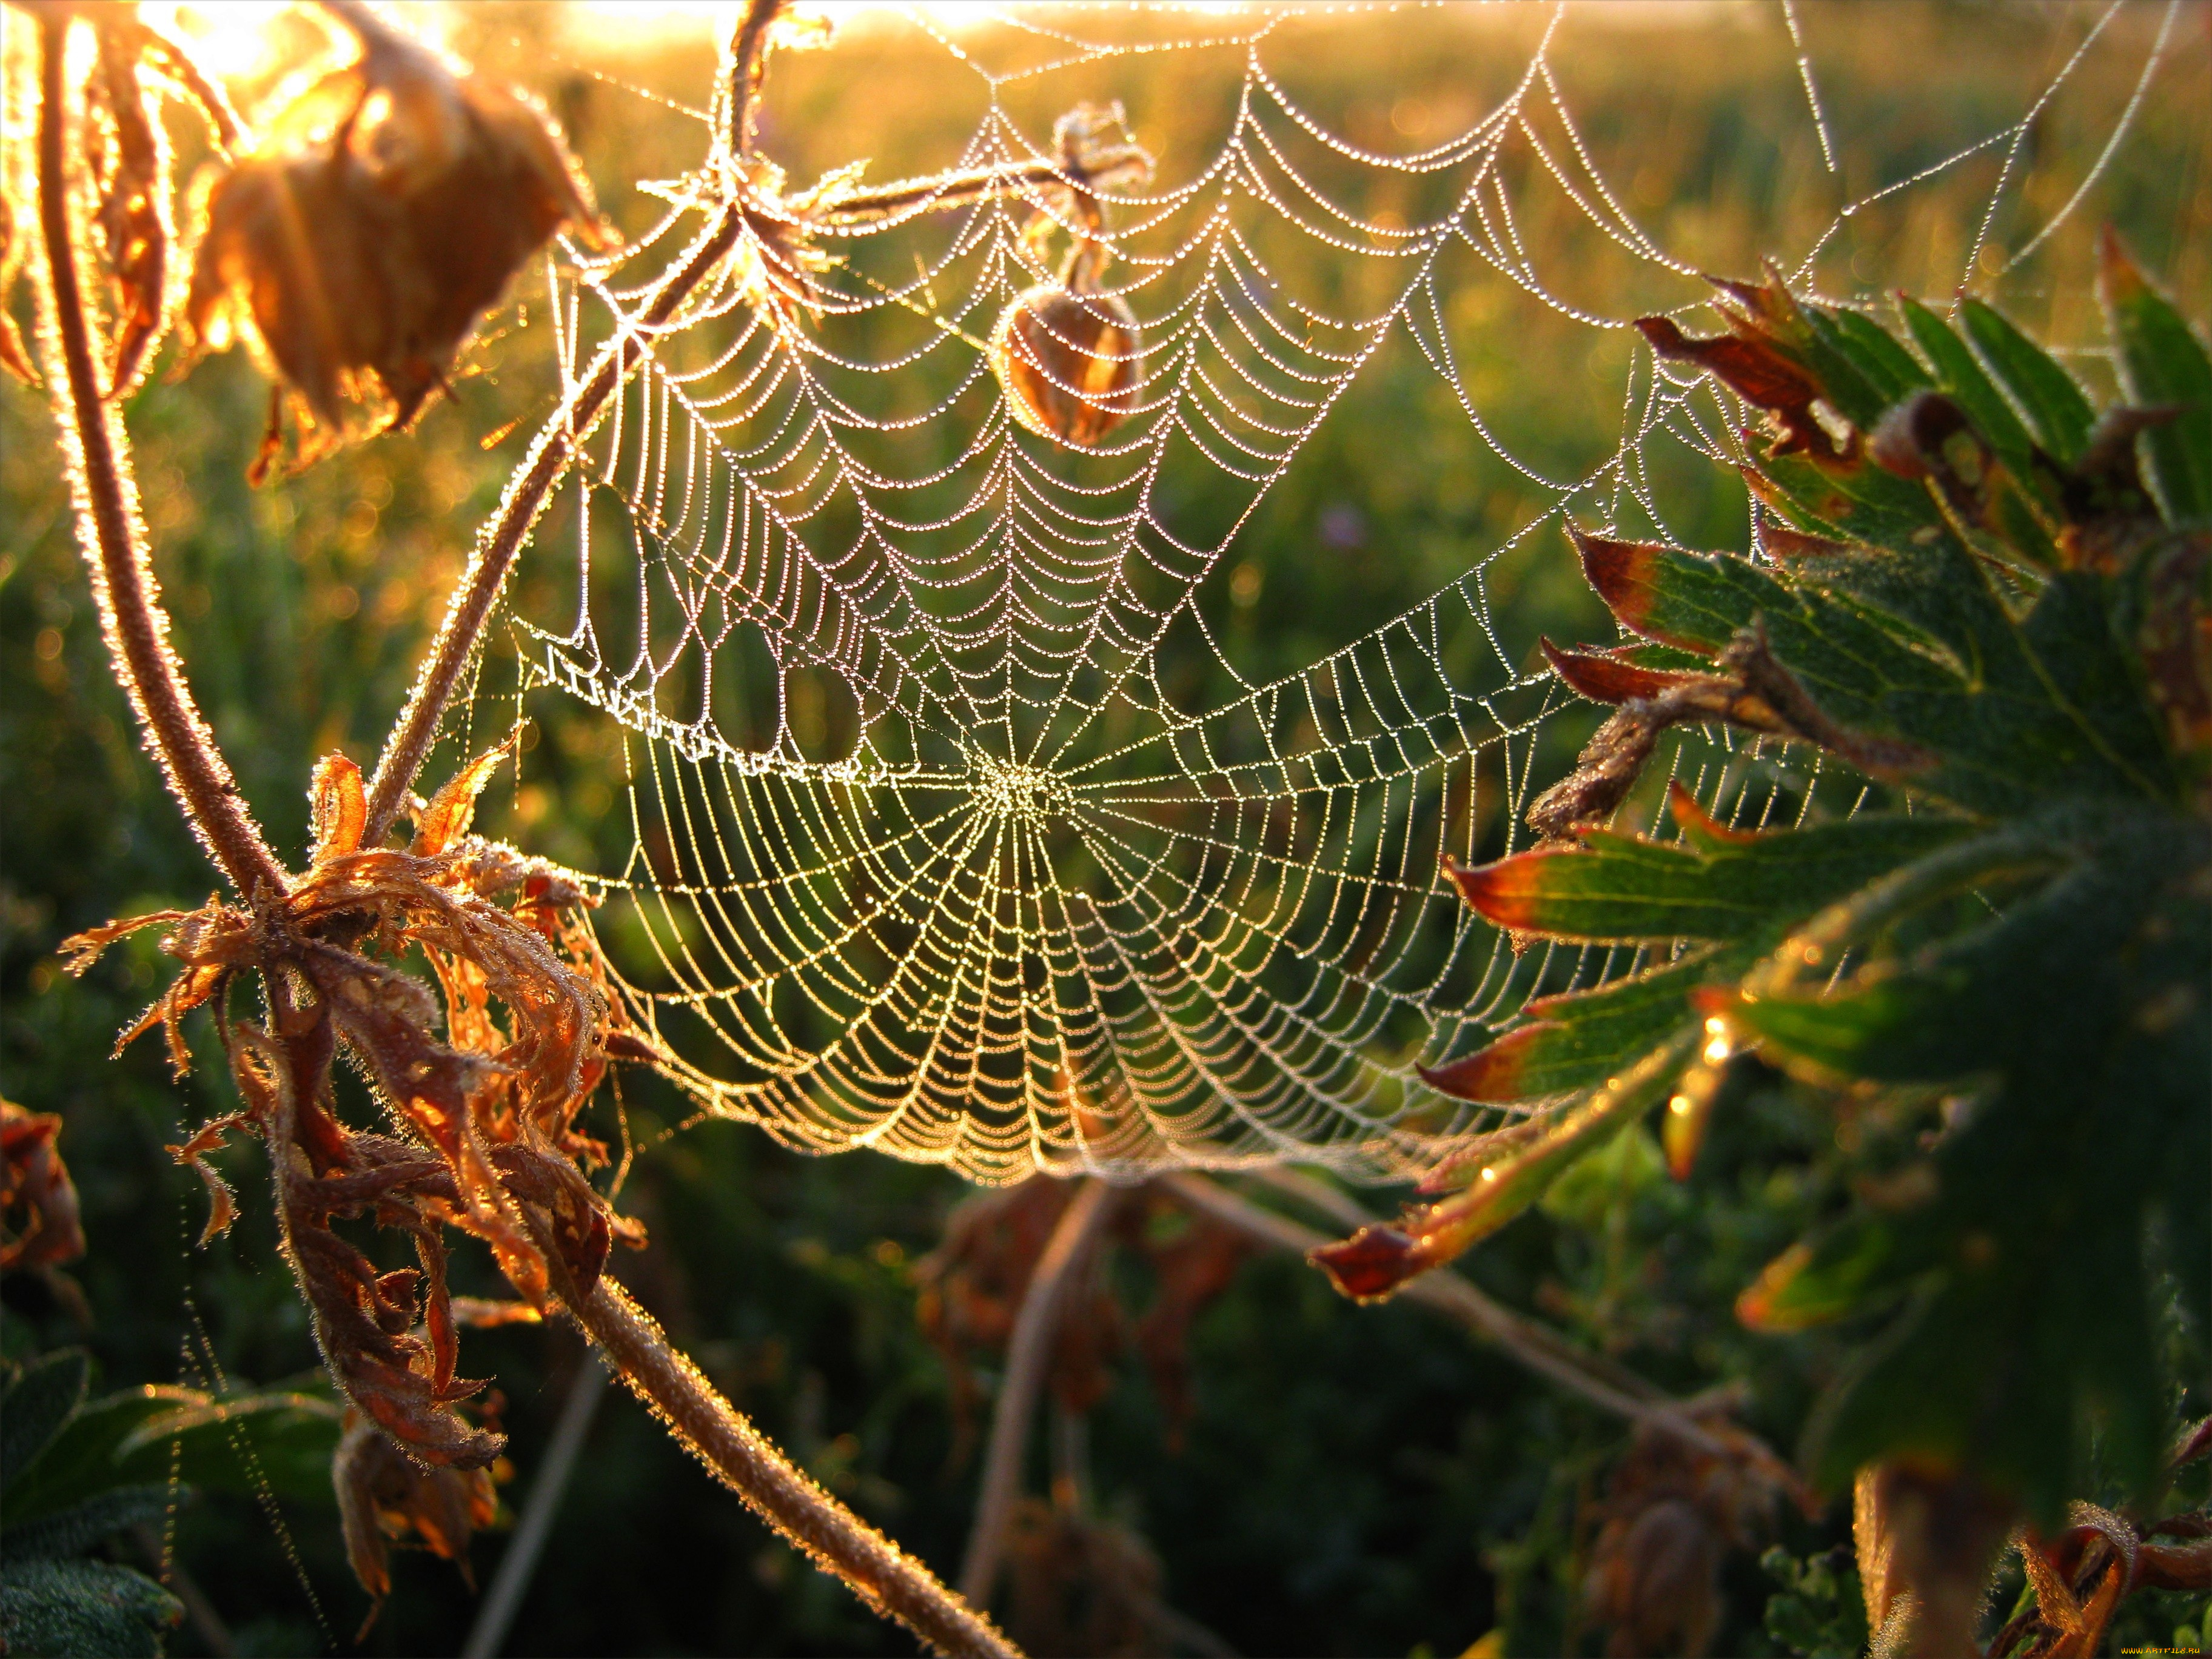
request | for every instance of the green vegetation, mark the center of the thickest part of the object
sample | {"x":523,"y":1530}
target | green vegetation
{"x":1346,"y":1480}
{"x":1995,"y":974}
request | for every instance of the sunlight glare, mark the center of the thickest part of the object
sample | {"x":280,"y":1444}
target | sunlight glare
{"x":230,"y":39}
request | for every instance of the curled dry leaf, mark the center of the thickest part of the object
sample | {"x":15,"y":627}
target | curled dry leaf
{"x":488,"y":1109}
{"x":1758,"y":360}
{"x":1671,"y":1512}
{"x":1080,"y":1584}
{"x":385,"y":1497}
{"x":1751,"y":691}
{"x":2081,"y":1576}
{"x":389,"y":206}
{"x":972,"y":1286}
{"x":39,"y":1226}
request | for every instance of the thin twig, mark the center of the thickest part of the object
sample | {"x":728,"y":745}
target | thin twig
{"x":1544,"y":1351}
{"x":123,"y":585}
{"x":866,"y":205}
{"x":551,"y":453}
{"x":1025,"y":1367}
{"x":495,"y":1616}
{"x":747,"y":1462}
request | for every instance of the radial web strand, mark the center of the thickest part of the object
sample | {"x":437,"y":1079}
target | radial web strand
{"x":969,"y":822}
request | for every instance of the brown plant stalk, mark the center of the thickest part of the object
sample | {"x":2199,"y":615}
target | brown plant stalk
{"x":123,"y":584}
{"x":749,"y":1463}
{"x":278,"y":929}
{"x":1028,"y":1354}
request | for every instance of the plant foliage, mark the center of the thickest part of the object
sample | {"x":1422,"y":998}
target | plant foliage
{"x":1987,"y":596}
{"x":74,"y":1473}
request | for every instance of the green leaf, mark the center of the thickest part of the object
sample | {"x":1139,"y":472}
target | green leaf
{"x":1961,"y":375}
{"x":35,"y":1408}
{"x":1618,"y":888}
{"x":1593,"y":1185}
{"x":82,"y":1610}
{"x":1861,"y":502}
{"x":128,"y":1437}
{"x":2161,"y":362}
{"x":1887,"y":368}
{"x":2057,"y":412}
{"x":75,"y":1530}
{"x":1577,"y":1040}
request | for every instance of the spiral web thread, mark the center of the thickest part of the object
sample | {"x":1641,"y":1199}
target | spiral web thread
{"x":1038,"y":908}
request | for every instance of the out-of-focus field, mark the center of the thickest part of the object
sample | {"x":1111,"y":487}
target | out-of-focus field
{"x":1352,"y":1481}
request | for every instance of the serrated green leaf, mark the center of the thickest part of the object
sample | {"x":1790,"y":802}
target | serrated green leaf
{"x":2162,"y":361}
{"x":1843,"y":383}
{"x":1861,"y":502}
{"x":1576,"y":1042}
{"x":35,"y":1408}
{"x":2025,"y":1351}
{"x":83,"y":1610}
{"x":1986,"y":1000}
{"x":2091,"y":671}
{"x":1621,"y":888}
{"x":1889,"y":370}
{"x":2008,"y":729}
{"x":1961,"y":375}
{"x":2056,"y":411}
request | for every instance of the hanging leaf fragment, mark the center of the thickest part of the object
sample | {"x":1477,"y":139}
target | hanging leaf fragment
{"x":39,"y":1225}
{"x":385,"y":1497}
{"x":1068,"y":355}
{"x":388,"y":207}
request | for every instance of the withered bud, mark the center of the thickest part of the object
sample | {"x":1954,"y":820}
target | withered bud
{"x":1069,"y":361}
{"x":1069,"y":357}
{"x":389,"y":206}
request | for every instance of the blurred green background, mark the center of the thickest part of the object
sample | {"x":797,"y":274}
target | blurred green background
{"x":1351,"y":1481}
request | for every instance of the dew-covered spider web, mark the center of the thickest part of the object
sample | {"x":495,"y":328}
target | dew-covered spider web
{"x":975,"y":814}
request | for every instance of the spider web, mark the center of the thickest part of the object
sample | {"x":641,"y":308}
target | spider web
{"x":962,"y":829}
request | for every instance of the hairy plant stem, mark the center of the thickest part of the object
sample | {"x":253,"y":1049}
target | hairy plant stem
{"x":556,"y":448}
{"x":123,"y":585}
{"x":749,"y":1464}
{"x":1026,"y":1357}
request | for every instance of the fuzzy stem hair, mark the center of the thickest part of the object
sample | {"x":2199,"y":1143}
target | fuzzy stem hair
{"x":112,"y":533}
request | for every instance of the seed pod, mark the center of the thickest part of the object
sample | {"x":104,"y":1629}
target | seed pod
{"x":358,"y":249}
{"x":1070,"y":363}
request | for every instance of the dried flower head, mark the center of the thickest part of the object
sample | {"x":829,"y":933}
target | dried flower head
{"x":391,"y":203}
{"x":1069,"y":357}
{"x":1069,"y":361}
{"x":487,"y":1141}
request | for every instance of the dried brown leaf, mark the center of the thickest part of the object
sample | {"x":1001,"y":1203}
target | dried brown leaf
{"x":39,"y":1223}
{"x":338,"y":806}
